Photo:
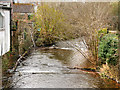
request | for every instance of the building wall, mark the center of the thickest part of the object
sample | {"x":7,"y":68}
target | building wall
{"x":5,"y":34}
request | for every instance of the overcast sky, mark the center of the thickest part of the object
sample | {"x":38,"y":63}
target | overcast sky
{"x":23,"y":1}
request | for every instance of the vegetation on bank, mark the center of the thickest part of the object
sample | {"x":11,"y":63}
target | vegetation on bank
{"x":108,"y":55}
{"x":8,"y":60}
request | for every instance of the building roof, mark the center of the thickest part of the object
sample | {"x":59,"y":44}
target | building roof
{"x":5,"y":5}
{"x":23,"y":8}
{"x":5,"y":0}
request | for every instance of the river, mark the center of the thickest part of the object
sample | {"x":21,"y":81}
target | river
{"x":52,"y":68}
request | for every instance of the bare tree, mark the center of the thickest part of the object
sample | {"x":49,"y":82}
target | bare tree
{"x":86,"y":19}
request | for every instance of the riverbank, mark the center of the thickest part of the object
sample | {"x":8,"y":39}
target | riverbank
{"x":8,"y":72}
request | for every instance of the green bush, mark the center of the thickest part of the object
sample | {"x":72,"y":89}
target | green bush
{"x":108,"y":47}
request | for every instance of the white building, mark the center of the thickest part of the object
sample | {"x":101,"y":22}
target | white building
{"x":4,"y":27}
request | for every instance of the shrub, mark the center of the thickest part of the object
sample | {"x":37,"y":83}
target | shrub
{"x":49,"y":25}
{"x":108,"y":49}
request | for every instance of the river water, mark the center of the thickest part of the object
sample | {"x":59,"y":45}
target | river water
{"x":51,"y":68}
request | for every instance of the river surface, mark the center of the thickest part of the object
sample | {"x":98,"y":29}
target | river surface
{"x":52,"y":68}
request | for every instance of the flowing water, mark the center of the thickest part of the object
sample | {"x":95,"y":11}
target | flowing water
{"x":51,"y":68}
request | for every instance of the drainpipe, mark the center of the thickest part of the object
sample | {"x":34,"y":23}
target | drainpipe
{"x":10,"y":28}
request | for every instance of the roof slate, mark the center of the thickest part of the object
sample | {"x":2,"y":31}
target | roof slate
{"x":23,"y":8}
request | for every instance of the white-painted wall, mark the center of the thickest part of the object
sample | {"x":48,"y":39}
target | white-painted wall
{"x":5,"y":34}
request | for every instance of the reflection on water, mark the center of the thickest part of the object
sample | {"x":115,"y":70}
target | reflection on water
{"x":49,"y":69}
{"x":60,"y":54}
{"x":72,"y":58}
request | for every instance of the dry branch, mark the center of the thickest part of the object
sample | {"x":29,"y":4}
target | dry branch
{"x":18,"y":61}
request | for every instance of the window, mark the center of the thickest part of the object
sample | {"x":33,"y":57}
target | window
{"x":1,"y":20}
